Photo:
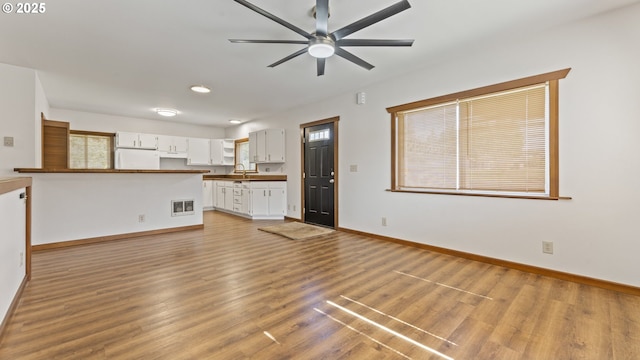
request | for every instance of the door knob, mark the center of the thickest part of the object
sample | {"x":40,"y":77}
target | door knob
{"x":331,"y":181}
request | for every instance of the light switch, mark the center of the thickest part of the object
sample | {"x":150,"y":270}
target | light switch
{"x":8,"y":141}
{"x":353,"y":168}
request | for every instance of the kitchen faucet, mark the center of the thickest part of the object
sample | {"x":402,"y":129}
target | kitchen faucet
{"x":244,"y":171}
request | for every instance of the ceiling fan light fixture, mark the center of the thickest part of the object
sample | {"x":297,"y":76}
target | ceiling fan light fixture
{"x":321,"y":48}
{"x":167,"y":112}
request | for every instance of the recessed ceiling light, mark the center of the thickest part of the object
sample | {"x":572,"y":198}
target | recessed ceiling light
{"x":167,"y":112}
{"x":234,"y":121}
{"x":200,"y":89}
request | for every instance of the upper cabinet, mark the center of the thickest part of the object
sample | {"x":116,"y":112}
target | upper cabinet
{"x":173,"y":146}
{"x":136,"y":140}
{"x":222,"y":152}
{"x":199,"y":151}
{"x":267,"y":146}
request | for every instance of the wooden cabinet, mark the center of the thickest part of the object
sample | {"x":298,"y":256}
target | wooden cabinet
{"x":199,"y":151}
{"x":207,"y":194}
{"x":267,"y":146}
{"x":129,"y":140}
{"x":222,"y":152}
{"x":173,"y":146}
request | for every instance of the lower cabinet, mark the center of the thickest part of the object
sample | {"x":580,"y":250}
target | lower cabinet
{"x":252,"y":199}
{"x":207,"y":194}
{"x":268,"y":199}
{"x":224,"y":195}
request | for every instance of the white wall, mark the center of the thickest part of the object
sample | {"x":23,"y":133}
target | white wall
{"x":13,"y":225}
{"x":79,"y":120}
{"x":594,"y":234}
{"x":17,"y":102}
{"x":69,"y":207}
{"x":41,"y":107}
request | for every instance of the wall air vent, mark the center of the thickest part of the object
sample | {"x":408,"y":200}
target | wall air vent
{"x":182,"y":207}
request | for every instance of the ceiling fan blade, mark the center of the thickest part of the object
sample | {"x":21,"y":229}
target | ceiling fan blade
{"x":371,"y":19}
{"x":242,"y":41}
{"x":354,"y":59}
{"x":320,"y":63}
{"x":322,"y":17}
{"x":274,"y":18}
{"x":295,"y":54}
{"x":373,"y":42}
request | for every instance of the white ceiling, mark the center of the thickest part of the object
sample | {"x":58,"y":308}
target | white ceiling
{"x":125,"y":57}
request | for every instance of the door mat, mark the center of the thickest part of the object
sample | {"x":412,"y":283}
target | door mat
{"x":297,"y":230}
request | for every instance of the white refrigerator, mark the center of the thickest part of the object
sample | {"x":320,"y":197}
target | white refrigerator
{"x":135,"y":159}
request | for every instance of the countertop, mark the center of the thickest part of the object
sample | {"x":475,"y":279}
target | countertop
{"x":8,"y":184}
{"x":248,"y":177}
{"x":108,"y":171}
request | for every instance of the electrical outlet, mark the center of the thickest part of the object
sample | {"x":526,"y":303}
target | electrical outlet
{"x":141,"y":218}
{"x":353,"y":168}
{"x":21,"y":259}
{"x":8,"y":141}
{"x":547,"y":247}
{"x":384,"y":221}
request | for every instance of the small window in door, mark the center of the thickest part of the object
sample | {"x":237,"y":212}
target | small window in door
{"x":320,"y":135}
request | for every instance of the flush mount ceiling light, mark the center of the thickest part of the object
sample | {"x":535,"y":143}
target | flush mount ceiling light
{"x":200,"y":89}
{"x":167,"y":112}
{"x":234,"y":121}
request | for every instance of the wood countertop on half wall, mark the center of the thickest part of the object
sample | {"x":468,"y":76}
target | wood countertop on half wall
{"x":248,"y":177}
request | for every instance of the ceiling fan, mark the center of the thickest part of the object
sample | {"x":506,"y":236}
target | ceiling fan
{"x":321,"y":43}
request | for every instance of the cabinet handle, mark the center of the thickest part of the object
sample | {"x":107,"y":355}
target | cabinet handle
{"x":264,"y":192}
{"x":269,"y":192}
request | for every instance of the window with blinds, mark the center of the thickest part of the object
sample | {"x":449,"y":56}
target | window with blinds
{"x":497,"y":140}
{"x":89,"y":150}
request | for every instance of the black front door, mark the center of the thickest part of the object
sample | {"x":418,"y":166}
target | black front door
{"x":319,"y":175}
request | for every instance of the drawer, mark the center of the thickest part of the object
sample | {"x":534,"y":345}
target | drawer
{"x":237,"y":200}
{"x":237,"y":191}
{"x":237,"y":208}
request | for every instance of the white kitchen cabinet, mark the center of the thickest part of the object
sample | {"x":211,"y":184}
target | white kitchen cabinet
{"x":224,"y":195}
{"x":222,"y":152}
{"x":173,"y":146}
{"x":277,"y":198}
{"x":267,"y":146}
{"x":267,"y":200}
{"x":219,"y":197}
{"x":228,"y":196}
{"x":199,"y":151}
{"x":241,"y":193}
{"x":128,"y":140}
{"x":207,"y":194}
{"x":252,"y":199}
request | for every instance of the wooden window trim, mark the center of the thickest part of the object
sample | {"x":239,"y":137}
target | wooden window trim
{"x":504,"y":86}
{"x":551,"y":77}
{"x":235,"y":156}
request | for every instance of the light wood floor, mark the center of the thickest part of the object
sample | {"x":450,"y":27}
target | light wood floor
{"x":231,"y":291}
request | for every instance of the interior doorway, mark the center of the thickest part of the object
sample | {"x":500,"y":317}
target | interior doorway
{"x":320,"y":172}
